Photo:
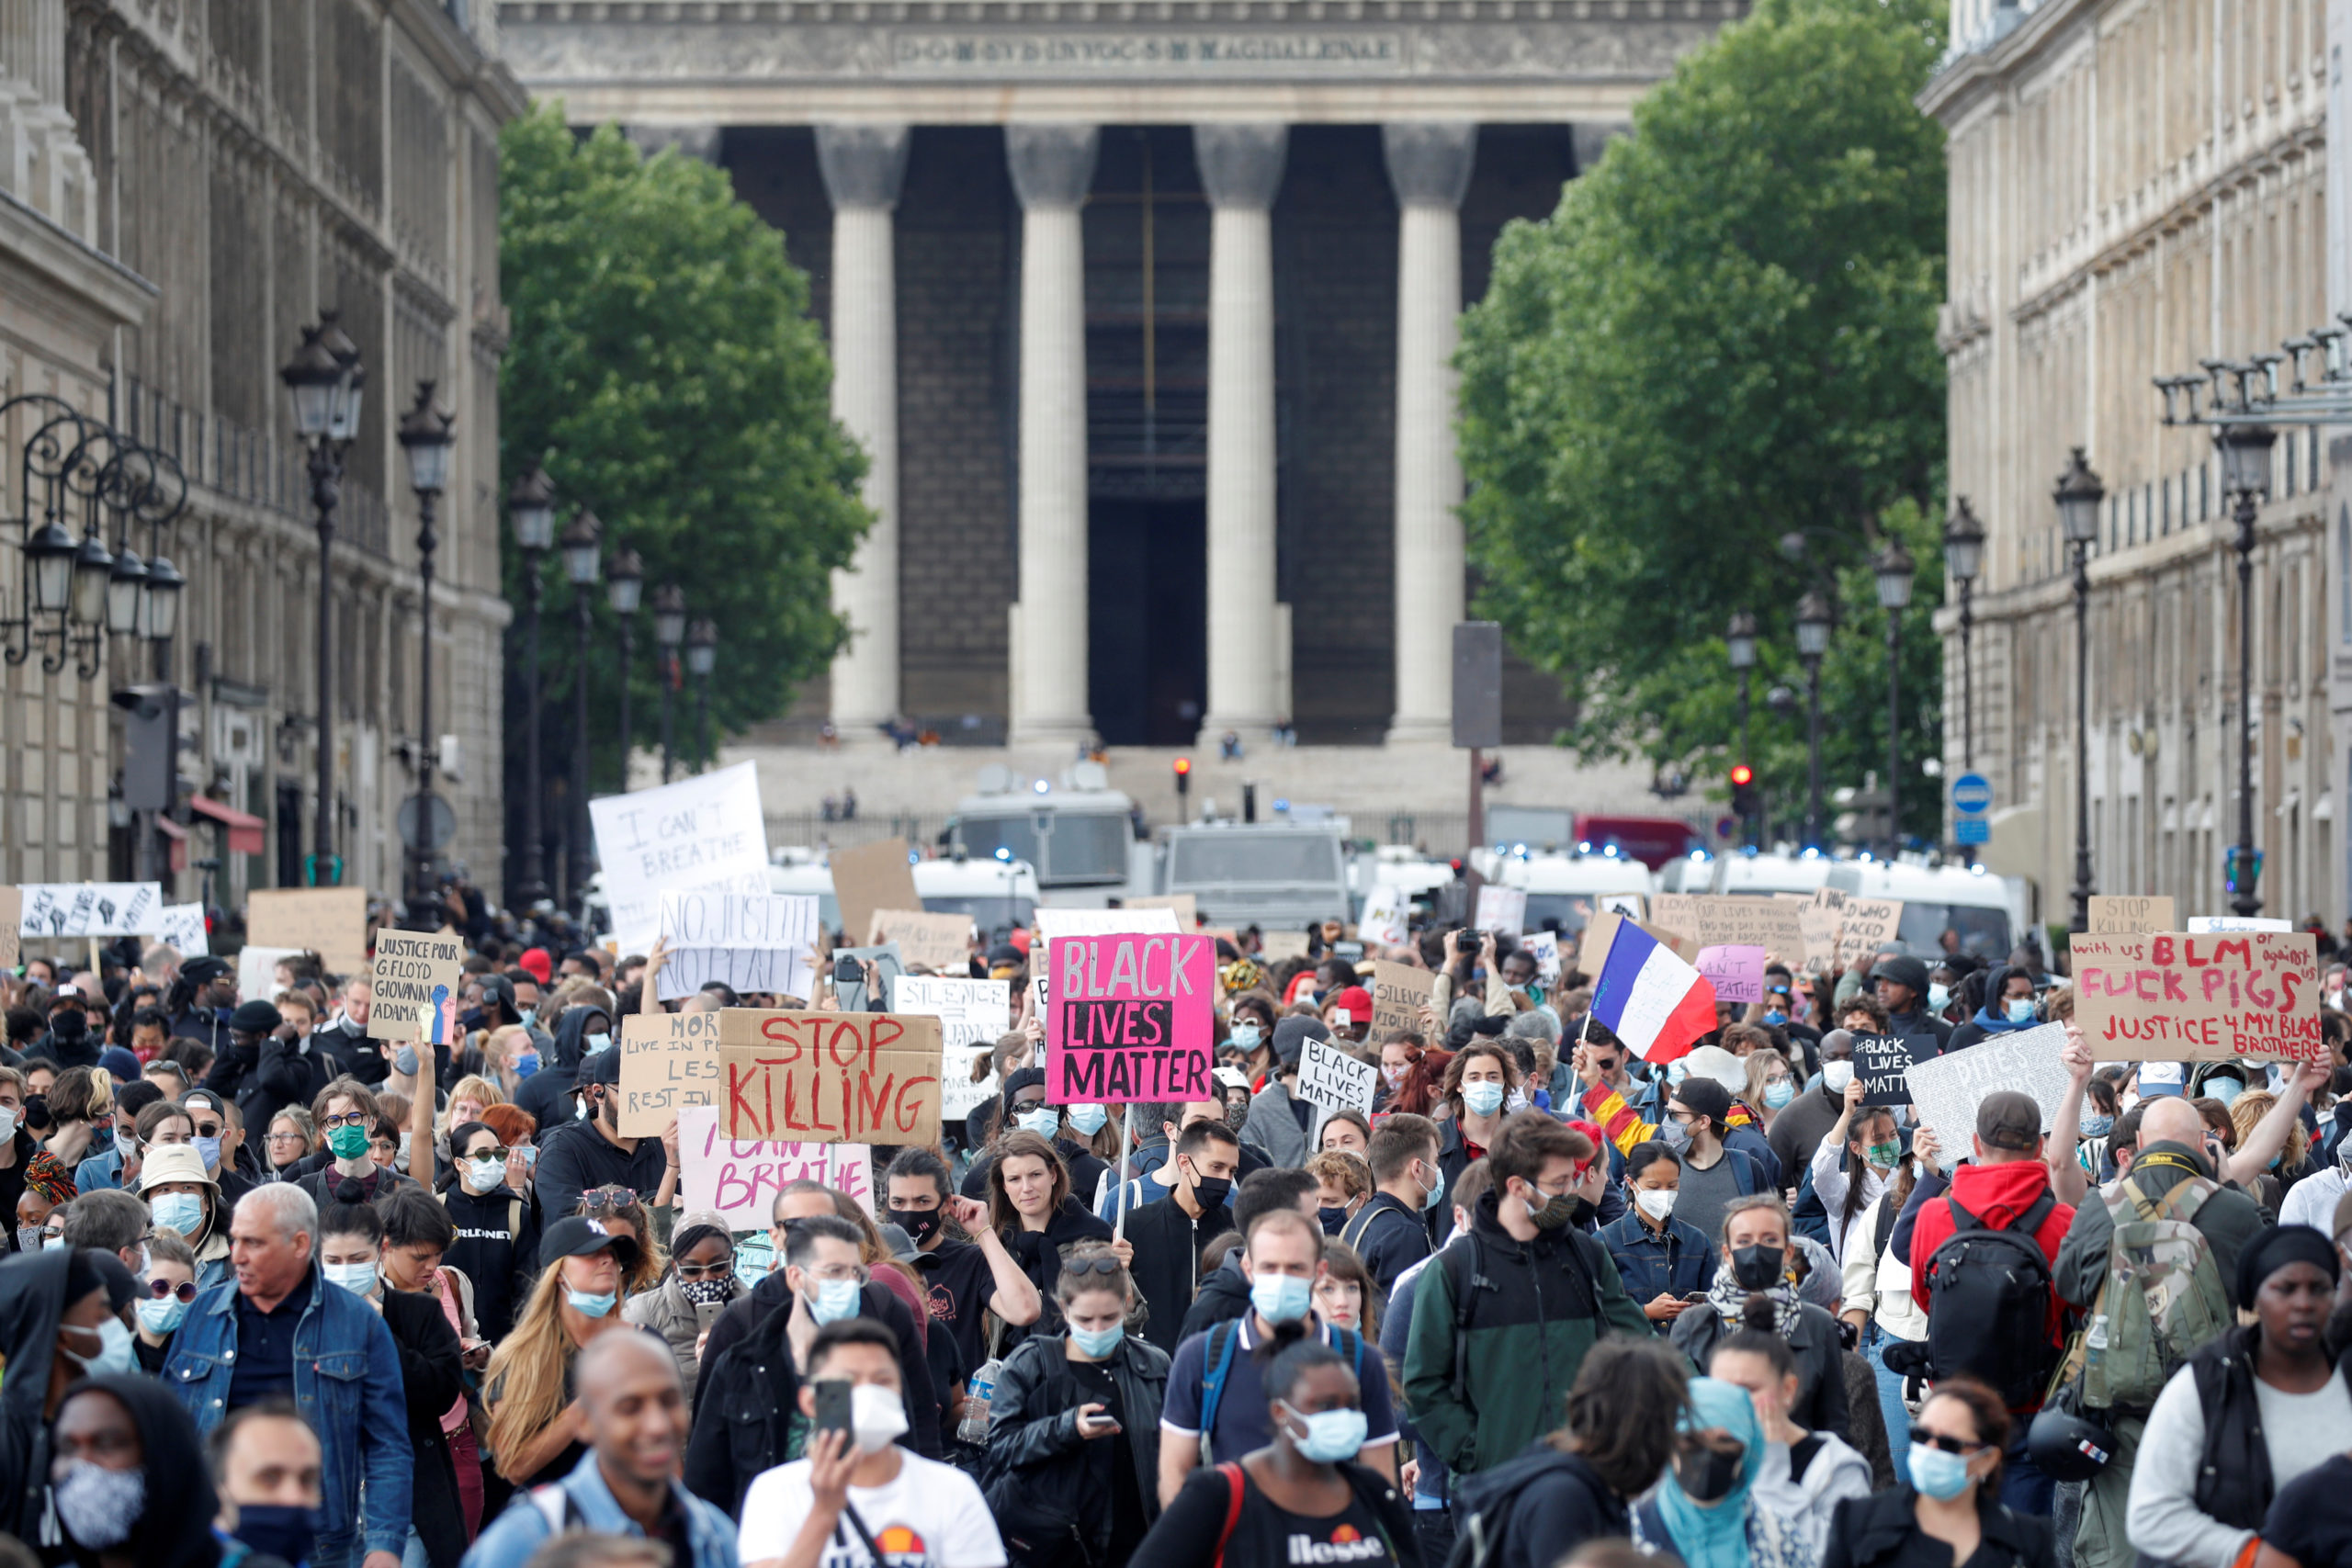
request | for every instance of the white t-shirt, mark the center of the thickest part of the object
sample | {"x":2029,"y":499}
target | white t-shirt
{"x":931,"y":1515}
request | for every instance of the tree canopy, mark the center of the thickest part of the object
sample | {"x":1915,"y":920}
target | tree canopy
{"x":1709,"y":381}
{"x":665,"y":367}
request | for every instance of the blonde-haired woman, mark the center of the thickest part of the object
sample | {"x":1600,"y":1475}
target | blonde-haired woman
{"x":469,"y":1097}
{"x":536,"y":1426}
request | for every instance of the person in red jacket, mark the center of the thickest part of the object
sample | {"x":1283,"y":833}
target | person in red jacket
{"x":2007,"y":1177}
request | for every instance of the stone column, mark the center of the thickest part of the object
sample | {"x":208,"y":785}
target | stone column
{"x":1429,"y":167}
{"x":1053,"y":168}
{"x":1241,"y":168}
{"x":864,"y":166}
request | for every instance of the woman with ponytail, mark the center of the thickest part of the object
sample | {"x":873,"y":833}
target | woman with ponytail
{"x":1753,"y":1289}
{"x":535,"y":1419}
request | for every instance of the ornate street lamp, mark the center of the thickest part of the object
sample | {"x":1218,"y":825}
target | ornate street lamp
{"x":702,"y":658}
{"x":582,"y":564}
{"x":1813,"y":641}
{"x":1893,"y":570}
{"x":623,"y":586}
{"x":669,"y":631}
{"x":2245,"y":475}
{"x":530,"y":508}
{"x":1963,"y":559}
{"x":427,"y":433}
{"x":325,"y":386}
{"x":2078,"y":495}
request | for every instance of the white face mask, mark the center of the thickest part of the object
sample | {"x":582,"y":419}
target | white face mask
{"x":1657,"y":1202}
{"x":1836,"y":1076}
{"x":481,"y":1175}
{"x":876,"y":1416}
{"x":10,"y":1120}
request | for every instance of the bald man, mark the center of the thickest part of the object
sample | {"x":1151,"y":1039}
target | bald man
{"x":634,"y":1410}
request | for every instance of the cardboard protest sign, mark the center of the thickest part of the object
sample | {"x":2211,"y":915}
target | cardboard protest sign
{"x":1335,"y":1080}
{"x":1717,"y":920}
{"x":181,"y":928}
{"x":1544,"y":948}
{"x":1276,"y":945}
{"x":93,"y":909}
{"x":827,"y":1078}
{"x":973,"y":1016}
{"x":2151,"y":913}
{"x":1737,"y":972}
{"x":1502,"y":910}
{"x":1386,"y":908}
{"x":762,"y":943}
{"x":2178,"y":996}
{"x":1869,"y":925}
{"x":1131,"y":1020}
{"x":1634,"y":907}
{"x":12,"y":912}
{"x":1185,"y":905}
{"x":1884,"y":1063}
{"x":412,"y":986}
{"x":1818,"y":922}
{"x":705,"y":834}
{"x":927,"y":941}
{"x":669,"y":1061}
{"x":1399,"y":991}
{"x":329,"y":922}
{"x":257,"y":971}
{"x":1050,"y":926}
{"x":741,"y":1180}
{"x":2205,"y":924}
{"x":870,"y":877}
{"x":1946,"y":1089}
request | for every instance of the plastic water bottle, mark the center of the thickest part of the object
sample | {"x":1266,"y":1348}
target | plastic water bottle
{"x":980,"y":1390}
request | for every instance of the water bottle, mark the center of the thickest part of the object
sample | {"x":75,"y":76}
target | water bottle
{"x":980,"y":1390}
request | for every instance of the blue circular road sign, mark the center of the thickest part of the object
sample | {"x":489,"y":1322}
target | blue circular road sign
{"x":1971,"y":793}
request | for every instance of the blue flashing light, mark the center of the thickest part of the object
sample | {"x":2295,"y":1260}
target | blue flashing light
{"x":1042,"y":787}
{"x":1584,"y":846}
{"x":1520,"y":850}
{"x":1976,"y":869}
{"x":1004,"y":853}
{"x":1282,"y":805}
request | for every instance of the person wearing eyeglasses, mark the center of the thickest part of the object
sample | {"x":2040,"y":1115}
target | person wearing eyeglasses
{"x":1074,"y":1428}
{"x":162,"y":1301}
{"x":698,"y":1285}
{"x":1951,"y":1512}
{"x":348,"y":1117}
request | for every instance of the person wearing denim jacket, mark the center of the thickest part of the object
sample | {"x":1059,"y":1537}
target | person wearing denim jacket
{"x":347,"y":1376}
{"x":634,"y":1410}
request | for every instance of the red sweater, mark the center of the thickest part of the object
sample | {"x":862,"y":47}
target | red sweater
{"x":1996,"y":1194}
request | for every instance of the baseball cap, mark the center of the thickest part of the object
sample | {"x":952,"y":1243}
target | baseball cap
{"x":579,"y":1236}
{"x":2162,"y":1079}
{"x":599,"y":1067}
{"x":1357,"y":1001}
{"x":2008,"y":1119}
{"x":1707,"y":1097}
{"x":203,"y":969}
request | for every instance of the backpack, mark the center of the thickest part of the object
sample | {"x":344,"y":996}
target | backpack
{"x":1353,"y":1233}
{"x":1483,"y":1503}
{"x":2162,"y":1298}
{"x":1988,"y":1303}
{"x":1217,"y":1364}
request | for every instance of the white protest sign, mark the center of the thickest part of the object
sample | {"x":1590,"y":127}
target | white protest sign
{"x":1331,"y":1079}
{"x":1630,"y":905}
{"x":1544,"y":948}
{"x":181,"y":927}
{"x":90,"y":908}
{"x":1384,"y":908}
{"x":700,"y":835}
{"x":2199,"y":925}
{"x":1501,"y":909}
{"x":1048,"y":924}
{"x":761,"y":943}
{"x":1946,"y":1090}
{"x":741,"y":1180}
{"x":257,"y":971}
{"x":973,"y":1016}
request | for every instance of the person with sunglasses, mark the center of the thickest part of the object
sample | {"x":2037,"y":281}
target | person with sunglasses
{"x":166,"y":1292}
{"x":622,"y":1209}
{"x":698,"y":1285}
{"x":1950,"y":1513}
{"x":497,"y":1227}
{"x":1074,"y":1428}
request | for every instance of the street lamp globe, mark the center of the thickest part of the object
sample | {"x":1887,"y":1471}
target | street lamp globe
{"x":125,"y":589}
{"x":343,"y":417}
{"x":669,"y":615}
{"x":1963,"y":543}
{"x":1893,"y":570}
{"x":427,"y":436}
{"x":530,"y":504}
{"x":93,"y":571}
{"x":1739,"y":641}
{"x":625,"y":582}
{"x":1812,"y":625}
{"x":2078,"y":495}
{"x":582,"y":549}
{"x":314,"y":385}
{"x":2245,"y":459}
{"x":702,"y":649}
{"x":161,"y":600}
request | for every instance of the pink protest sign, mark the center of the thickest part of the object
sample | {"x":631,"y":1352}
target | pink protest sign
{"x":1130,"y":1019}
{"x":1736,"y":971}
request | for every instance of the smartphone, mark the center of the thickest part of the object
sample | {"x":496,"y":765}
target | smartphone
{"x":832,"y":1404}
{"x":849,"y":983}
{"x":706,"y":1313}
{"x":1100,"y":1422}
{"x":1341,"y":1018}
{"x":1695,"y":1297}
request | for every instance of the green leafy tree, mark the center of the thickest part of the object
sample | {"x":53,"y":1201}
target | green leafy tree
{"x":665,"y":368}
{"x":1710,"y":381}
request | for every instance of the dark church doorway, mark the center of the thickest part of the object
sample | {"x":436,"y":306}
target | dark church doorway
{"x":1147,"y":621}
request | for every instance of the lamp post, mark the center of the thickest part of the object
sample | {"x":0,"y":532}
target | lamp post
{"x":425,"y":435}
{"x":1963,"y":559}
{"x":623,"y":586}
{"x":530,"y":507}
{"x":582,"y":562}
{"x":1893,"y":570}
{"x":2245,"y":475}
{"x":1813,"y":641}
{"x":669,"y":631}
{"x":2078,"y":495}
{"x":702,"y":657}
{"x":1739,"y":644}
{"x":326,"y":384}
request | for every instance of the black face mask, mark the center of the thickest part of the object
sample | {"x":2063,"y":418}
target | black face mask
{"x":1209,"y":1191}
{"x":1757,"y":1267}
{"x":1334,"y":1220}
{"x":1706,"y":1474}
{"x":273,"y":1529}
{"x":919,"y":1223}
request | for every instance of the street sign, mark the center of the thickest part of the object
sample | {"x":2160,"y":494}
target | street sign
{"x":1971,"y":796}
{"x":1971,"y":830}
{"x":428,"y":823}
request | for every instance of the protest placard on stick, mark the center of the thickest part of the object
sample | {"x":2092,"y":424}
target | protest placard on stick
{"x":927,"y":941}
{"x":1330,"y":1078}
{"x":1946,"y":1089}
{"x":669,"y":1061}
{"x":2181,"y":996}
{"x":822,"y":1077}
{"x":1714,"y":921}
{"x":1736,"y":971}
{"x":1867,"y":926}
{"x":870,"y":877}
{"x":1131,"y":1020}
{"x":1399,"y":991}
{"x":413,"y":985}
{"x":1884,"y":1063}
{"x":973,"y":1015}
{"x":1502,"y":910}
{"x":756,"y":943}
{"x":705,"y":834}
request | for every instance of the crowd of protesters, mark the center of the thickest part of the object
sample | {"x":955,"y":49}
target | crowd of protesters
{"x":279,"y":1292}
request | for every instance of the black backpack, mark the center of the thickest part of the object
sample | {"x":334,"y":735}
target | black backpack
{"x":1484,"y":1501}
{"x":1988,"y":1304}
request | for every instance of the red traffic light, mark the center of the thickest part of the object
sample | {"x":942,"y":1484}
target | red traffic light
{"x":1742,"y":776}
{"x":1183,"y":765}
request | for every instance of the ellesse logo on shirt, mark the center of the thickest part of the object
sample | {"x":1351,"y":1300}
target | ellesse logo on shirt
{"x":1347,"y":1544}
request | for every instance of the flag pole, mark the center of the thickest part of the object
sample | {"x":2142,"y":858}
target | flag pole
{"x":1119,"y":1231}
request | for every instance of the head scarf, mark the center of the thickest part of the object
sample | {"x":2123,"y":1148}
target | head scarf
{"x":1715,"y":1537}
{"x":175,"y":1528}
{"x":2270,"y":1250}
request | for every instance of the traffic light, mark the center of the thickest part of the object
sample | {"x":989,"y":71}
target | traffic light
{"x":1184,"y":766}
{"x":1743,"y":790}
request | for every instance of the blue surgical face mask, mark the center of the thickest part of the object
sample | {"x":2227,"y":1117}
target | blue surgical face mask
{"x":161,"y":1314}
{"x":1675,"y":1072}
{"x":2097,"y":1126}
{"x":1939,"y":996}
{"x":1097,"y":1343}
{"x":182,"y":1211}
{"x":1247,"y":1037}
{"x":1936,"y":1474}
{"x":2019,"y":1009}
{"x":359,"y":1279}
{"x":1043,"y":1121}
{"x":1282,"y":1298}
{"x":1779,"y":1092}
{"x":115,"y":1355}
{"x":210,"y":1149}
{"x":2227,"y":1091}
{"x":1432,"y":1196}
{"x":590,"y":1044}
{"x":835,"y":1299}
{"x":1482,"y":1098}
{"x":1331,"y":1435}
{"x":588,"y":1303}
{"x":1776,"y":1017}
{"x":528,"y":1015}
{"x":526,"y":1064}
{"x":1086,"y":1119}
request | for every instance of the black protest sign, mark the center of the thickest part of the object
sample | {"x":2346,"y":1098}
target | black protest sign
{"x":1881,"y":1060}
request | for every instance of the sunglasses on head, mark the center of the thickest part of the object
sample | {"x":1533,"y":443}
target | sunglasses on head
{"x":608,"y":1198}
{"x":1085,"y":1266}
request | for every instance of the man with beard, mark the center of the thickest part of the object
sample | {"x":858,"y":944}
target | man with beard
{"x":592,"y":1153}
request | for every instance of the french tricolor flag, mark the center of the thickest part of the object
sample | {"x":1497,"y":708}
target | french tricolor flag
{"x":1643,"y":991}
